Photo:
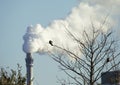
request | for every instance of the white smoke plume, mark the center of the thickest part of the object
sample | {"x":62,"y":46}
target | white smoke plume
{"x":36,"y":38}
{"x":111,"y":5}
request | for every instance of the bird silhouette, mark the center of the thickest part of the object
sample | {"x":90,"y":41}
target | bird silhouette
{"x":51,"y":42}
{"x":108,"y":60}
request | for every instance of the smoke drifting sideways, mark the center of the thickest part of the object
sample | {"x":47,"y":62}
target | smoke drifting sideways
{"x":36,"y":38}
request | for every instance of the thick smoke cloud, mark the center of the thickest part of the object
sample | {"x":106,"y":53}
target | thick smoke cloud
{"x":111,"y":5}
{"x":36,"y":38}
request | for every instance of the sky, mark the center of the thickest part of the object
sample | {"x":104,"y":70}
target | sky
{"x":16,"y":16}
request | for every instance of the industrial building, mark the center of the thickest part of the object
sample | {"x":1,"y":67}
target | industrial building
{"x":111,"y":78}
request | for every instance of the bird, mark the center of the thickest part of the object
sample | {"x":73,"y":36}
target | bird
{"x":51,"y":42}
{"x":108,"y":60}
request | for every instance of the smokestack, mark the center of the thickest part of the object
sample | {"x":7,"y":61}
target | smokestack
{"x":29,"y":68}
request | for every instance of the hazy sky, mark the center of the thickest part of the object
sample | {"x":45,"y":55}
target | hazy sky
{"x":16,"y":15}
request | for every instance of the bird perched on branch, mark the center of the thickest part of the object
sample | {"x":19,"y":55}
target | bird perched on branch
{"x":108,"y":60}
{"x":51,"y":42}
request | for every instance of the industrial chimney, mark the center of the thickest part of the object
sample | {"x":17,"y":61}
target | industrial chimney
{"x":29,"y":68}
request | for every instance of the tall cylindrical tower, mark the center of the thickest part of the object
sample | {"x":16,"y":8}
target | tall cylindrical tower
{"x":29,"y":68}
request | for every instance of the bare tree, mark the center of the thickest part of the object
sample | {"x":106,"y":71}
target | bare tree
{"x":99,"y":53}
